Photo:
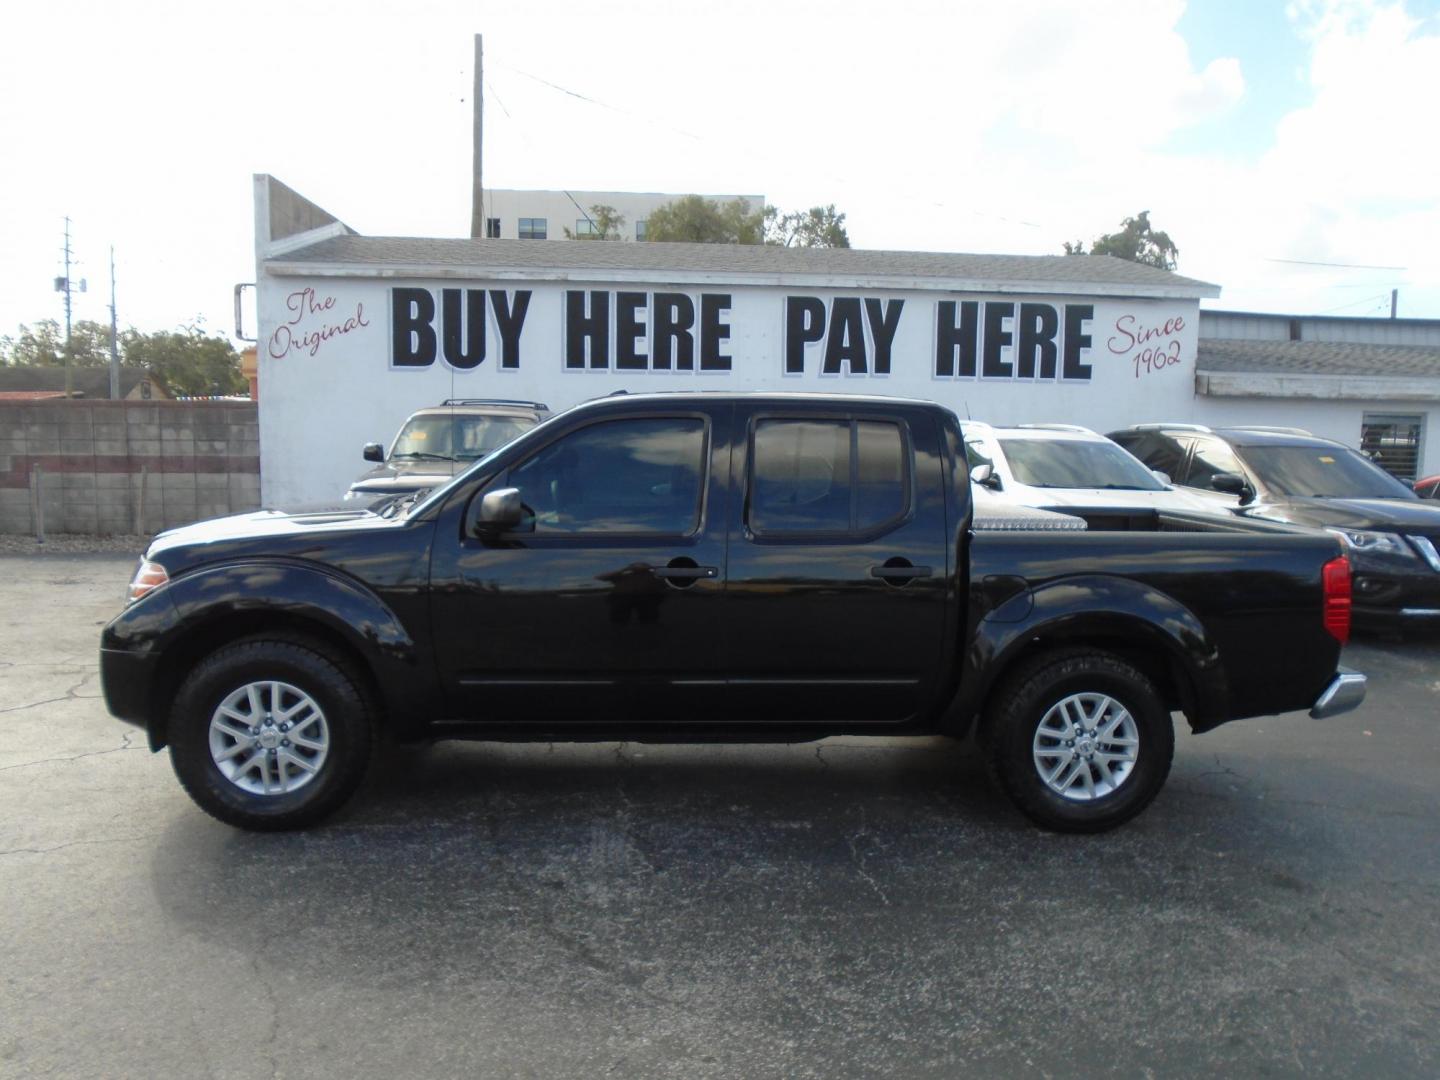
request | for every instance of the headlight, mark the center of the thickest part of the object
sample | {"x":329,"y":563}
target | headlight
{"x":1374,"y":543}
{"x":149,"y":576}
{"x":1427,"y":549}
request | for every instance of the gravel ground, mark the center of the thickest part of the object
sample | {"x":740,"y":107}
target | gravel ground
{"x":73,"y":544}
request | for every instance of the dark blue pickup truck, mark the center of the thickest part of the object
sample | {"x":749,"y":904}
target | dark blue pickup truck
{"x":718,"y":567}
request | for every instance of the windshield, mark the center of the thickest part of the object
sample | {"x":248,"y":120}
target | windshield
{"x":1322,"y":472}
{"x":456,"y":438}
{"x":1070,"y":463}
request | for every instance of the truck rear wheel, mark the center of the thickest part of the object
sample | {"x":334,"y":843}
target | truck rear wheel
{"x":271,"y":734}
{"x":1079,"y":740}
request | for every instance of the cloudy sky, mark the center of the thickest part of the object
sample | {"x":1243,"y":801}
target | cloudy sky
{"x":1289,"y":149}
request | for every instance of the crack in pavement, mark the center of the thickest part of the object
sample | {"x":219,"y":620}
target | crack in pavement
{"x":70,"y":695}
{"x":274,"y":1033}
{"x":125,"y":745}
{"x":79,"y":843}
{"x":859,"y":862}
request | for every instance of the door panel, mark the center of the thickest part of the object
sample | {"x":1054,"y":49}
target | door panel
{"x":837,"y":586}
{"x":604,"y":605}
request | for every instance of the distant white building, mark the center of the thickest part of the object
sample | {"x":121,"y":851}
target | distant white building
{"x":512,"y":214}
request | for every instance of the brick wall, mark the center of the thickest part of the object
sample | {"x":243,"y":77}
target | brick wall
{"x":194,"y":460}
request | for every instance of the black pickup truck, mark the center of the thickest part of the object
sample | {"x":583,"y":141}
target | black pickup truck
{"x":718,"y":567}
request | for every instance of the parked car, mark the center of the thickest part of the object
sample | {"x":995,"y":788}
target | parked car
{"x":1061,"y":466}
{"x":1287,"y":474}
{"x":1428,"y":487}
{"x":717,"y":567}
{"x":434,"y":444}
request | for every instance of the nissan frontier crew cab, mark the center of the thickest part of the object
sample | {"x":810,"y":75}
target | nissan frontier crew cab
{"x":718,"y":567}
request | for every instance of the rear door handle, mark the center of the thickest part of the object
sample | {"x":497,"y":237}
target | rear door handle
{"x":899,"y":573}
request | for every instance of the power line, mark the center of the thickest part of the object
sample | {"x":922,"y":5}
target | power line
{"x":1342,"y":266}
{"x":651,"y":119}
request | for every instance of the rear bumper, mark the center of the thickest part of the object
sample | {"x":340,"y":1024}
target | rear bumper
{"x":1345,"y":692}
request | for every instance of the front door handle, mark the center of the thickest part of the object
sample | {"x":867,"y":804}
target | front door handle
{"x":898,"y":571}
{"x":684,"y":573}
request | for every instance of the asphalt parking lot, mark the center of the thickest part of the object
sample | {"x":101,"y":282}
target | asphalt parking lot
{"x":852,"y":908}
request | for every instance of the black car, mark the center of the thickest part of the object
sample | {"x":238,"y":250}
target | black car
{"x":1285,"y":474}
{"x":435,"y":444}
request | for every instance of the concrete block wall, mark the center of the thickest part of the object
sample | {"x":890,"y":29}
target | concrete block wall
{"x":126,"y":466}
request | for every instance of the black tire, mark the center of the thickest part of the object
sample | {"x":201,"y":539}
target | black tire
{"x":1020,"y":705}
{"x":341,"y":695}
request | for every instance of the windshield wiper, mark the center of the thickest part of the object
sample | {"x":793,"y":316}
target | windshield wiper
{"x":422,"y":455}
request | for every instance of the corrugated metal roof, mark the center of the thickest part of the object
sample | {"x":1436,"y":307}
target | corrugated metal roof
{"x":1368,"y":330}
{"x":1316,"y":358}
{"x":674,"y":261}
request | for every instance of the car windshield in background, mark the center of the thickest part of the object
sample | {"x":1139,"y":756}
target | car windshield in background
{"x":1070,"y":463}
{"x":1322,"y":472}
{"x":457,"y":438}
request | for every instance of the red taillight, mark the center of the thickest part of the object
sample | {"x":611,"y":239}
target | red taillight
{"x":1336,"y":576}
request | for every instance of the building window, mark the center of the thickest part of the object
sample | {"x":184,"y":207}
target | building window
{"x":640,"y":230}
{"x":1393,"y":442}
{"x":532,"y":228}
{"x":585,"y":227}
{"x":492,"y":228}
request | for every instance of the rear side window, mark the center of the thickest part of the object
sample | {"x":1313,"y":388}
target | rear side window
{"x":827,"y":477}
{"x":1157,"y":450}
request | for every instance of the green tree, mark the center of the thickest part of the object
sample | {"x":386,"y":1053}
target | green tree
{"x":188,"y":361}
{"x":607,"y":222}
{"x":820,"y":226}
{"x":1136,"y":241}
{"x":698,"y":220}
{"x":43,"y":345}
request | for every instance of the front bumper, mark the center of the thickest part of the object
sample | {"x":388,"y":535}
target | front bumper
{"x":1387,"y":594}
{"x":1345,"y":692}
{"x":125,"y":681}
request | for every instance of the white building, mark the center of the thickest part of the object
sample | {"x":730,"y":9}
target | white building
{"x":513,"y":214}
{"x":357,"y":332}
{"x":1371,"y":383}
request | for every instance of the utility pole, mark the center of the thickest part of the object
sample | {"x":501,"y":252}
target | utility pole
{"x":477,"y":193}
{"x":114,"y":348}
{"x":69,"y":377}
{"x":1394,"y":300}
{"x":65,"y":285}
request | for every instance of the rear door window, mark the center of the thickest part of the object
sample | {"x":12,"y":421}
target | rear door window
{"x":827,"y":477}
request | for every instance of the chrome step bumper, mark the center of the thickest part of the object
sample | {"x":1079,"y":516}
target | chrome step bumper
{"x":1345,"y":692}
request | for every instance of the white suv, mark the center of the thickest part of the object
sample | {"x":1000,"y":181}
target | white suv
{"x":1054,"y":466}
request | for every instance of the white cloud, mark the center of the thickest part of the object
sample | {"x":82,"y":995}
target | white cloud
{"x":933,"y":125}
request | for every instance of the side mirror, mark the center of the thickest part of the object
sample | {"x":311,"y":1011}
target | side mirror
{"x":986,"y":477}
{"x":373,"y":452}
{"x":1233,"y":484}
{"x":499,"y":511}
{"x":1163,"y":477}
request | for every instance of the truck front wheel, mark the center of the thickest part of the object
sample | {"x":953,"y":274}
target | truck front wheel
{"x":1079,"y":740}
{"x":271,"y":734}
